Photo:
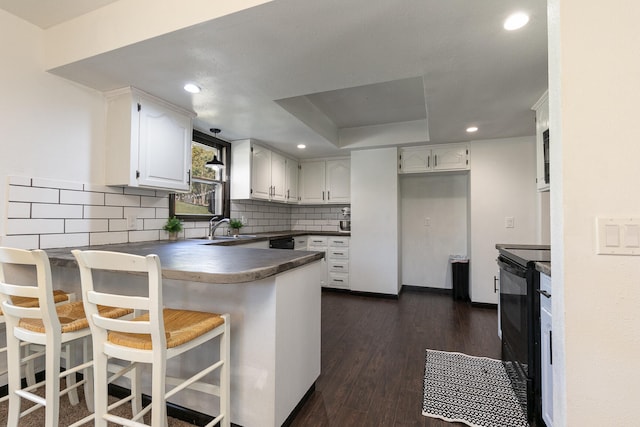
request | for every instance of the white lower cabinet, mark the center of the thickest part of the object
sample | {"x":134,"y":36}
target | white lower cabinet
{"x":546,"y":350}
{"x":319,"y":244}
{"x":336,"y":249}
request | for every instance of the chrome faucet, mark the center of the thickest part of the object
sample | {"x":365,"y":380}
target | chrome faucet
{"x":215,"y":224}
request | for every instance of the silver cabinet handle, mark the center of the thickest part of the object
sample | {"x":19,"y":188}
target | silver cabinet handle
{"x":328,"y":195}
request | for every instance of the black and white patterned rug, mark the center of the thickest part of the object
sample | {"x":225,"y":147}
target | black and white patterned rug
{"x":471,"y":390}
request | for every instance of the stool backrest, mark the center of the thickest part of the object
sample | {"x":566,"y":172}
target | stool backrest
{"x":42,"y":289}
{"x":152,"y":303}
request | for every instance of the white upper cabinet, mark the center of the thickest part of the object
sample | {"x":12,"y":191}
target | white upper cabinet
{"x":148,"y":142}
{"x":260,"y":173}
{"x":542,"y":142}
{"x":432,"y":158}
{"x":325,"y":181}
{"x":312,"y":182}
{"x":291,"y":181}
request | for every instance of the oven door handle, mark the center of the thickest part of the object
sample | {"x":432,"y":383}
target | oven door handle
{"x":511,"y":269}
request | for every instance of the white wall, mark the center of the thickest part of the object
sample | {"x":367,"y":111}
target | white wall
{"x":502,"y":184}
{"x":443,"y":198}
{"x":375,"y":249}
{"x":594,"y":64}
{"x":50,"y":128}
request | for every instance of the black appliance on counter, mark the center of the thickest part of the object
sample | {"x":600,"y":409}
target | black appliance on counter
{"x":519,"y":317}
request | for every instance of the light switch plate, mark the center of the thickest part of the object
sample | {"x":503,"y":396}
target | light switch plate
{"x":509,"y":222}
{"x":618,"y":236}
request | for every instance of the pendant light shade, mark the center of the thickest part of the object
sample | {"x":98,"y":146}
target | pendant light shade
{"x":214,"y":163}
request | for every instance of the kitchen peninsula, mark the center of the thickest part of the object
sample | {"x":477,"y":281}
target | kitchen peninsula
{"x":273,"y":297}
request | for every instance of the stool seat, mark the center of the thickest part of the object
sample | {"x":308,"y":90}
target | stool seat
{"x":180,"y":326}
{"x":72,"y":317}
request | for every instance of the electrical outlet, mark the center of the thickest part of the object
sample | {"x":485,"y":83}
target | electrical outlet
{"x":509,"y":222}
{"x":427,"y":221}
{"x":132,"y":222}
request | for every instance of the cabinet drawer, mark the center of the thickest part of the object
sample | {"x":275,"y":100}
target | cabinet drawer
{"x":338,"y":280}
{"x":340,"y":242}
{"x":301,"y":243}
{"x":339,"y":266}
{"x":317,"y":241}
{"x":335,"y":253}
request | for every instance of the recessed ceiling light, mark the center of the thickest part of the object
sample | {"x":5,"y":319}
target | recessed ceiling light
{"x":192,"y":88}
{"x":302,"y":146}
{"x":515,"y":21}
{"x":471,"y":129}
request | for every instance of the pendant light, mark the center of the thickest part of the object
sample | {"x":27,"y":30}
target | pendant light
{"x":214,"y":163}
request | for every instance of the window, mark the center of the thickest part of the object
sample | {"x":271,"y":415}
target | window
{"x":209,"y":195}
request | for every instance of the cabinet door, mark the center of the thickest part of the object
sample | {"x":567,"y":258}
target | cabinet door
{"x":278,"y":177}
{"x":260,"y":173}
{"x":312,"y":181}
{"x":450,"y":158}
{"x":415,"y":160}
{"x":164,"y":156}
{"x":338,"y":181}
{"x":546,"y":360}
{"x":291,"y":181}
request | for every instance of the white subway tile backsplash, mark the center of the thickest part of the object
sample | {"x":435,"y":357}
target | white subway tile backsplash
{"x":162,"y":213}
{"x":47,"y":210}
{"x":68,"y":240}
{"x":86,"y":225}
{"x":154,"y":202}
{"x":35,"y":226}
{"x":31,"y":194}
{"x":20,"y":180}
{"x":118,"y":225}
{"x":139,"y":212}
{"x":54,"y":183}
{"x":194,"y":233}
{"x":139,"y":191}
{"x":103,"y":189}
{"x":108,"y":238}
{"x":103,"y":212}
{"x":81,"y":198}
{"x":143,"y":236}
{"x":121,"y":200}
{"x":19,"y":210}
{"x":154,"y":224}
{"x":25,"y":241}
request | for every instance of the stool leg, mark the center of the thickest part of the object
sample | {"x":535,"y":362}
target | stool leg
{"x":88,"y":375}
{"x":100,"y":389}
{"x":70,"y":361}
{"x":158,"y":405}
{"x":29,"y":369}
{"x":136,"y":389}
{"x":225,"y":375}
{"x":13,"y":365}
{"x":52,"y":383}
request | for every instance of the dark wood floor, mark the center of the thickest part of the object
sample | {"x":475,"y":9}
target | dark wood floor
{"x":373,"y":354}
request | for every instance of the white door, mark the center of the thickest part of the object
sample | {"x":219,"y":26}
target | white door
{"x":164,"y":148}
{"x":312,"y":181}
{"x":260,"y":173}
{"x":338,"y":181}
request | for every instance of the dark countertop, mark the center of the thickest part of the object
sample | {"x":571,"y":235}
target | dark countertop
{"x":544,"y":267}
{"x":526,"y":254}
{"x":199,"y":261}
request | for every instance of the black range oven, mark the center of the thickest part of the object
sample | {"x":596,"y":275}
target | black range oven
{"x":519,"y":318}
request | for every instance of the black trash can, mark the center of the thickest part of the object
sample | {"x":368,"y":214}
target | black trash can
{"x":460,"y":277}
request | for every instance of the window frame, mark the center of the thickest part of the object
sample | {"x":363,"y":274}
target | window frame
{"x":223,"y":147}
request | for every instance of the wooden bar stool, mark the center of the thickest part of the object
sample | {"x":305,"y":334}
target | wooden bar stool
{"x":58,"y":297}
{"x":48,"y":325}
{"x":155,"y":336}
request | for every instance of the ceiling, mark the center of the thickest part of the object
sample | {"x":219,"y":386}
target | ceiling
{"x":335,"y":74}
